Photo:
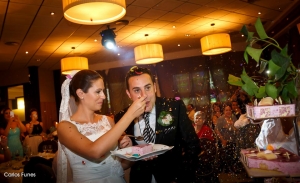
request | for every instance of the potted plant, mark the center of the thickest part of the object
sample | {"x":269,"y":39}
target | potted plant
{"x":279,"y":83}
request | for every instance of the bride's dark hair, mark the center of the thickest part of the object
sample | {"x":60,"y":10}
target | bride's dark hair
{"x":82,"y":80}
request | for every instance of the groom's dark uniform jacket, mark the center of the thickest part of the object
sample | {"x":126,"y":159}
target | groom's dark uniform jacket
{"x":172,"y":165}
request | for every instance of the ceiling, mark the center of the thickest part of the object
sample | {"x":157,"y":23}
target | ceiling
{"x":28,"y":26}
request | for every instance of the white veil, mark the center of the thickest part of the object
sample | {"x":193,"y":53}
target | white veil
{"x":67,"y":108}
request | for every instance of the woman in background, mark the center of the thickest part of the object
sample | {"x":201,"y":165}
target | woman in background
{"x":34,"y":125}
{"x":207,"y":159}
{"x":225,"y":126}
{"x":217,"y":112}
{"x":202,"y":130}
{"x":227,"y":133}
{"x":12,"y":130}
{"x":242,"y":99}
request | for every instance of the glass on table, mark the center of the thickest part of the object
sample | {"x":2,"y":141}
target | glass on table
{"x":49,"y":149}
{"x":9,"y":163}
{"x":17,"y":155}
{"x":27,"y":152}
{"x":45,"y":148}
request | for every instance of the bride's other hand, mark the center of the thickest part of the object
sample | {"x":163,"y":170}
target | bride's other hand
{"x":124,"y":142}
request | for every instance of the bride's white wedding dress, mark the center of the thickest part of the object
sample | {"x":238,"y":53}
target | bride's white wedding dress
{"x":108,"y":170}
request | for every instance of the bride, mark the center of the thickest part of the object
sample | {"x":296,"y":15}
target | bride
{"x":86,"y":138}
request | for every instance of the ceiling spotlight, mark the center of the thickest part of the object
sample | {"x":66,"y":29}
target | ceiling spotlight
{"x":108,"y":38}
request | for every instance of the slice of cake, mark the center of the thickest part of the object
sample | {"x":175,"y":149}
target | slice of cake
{"x":142,"y":149}
{"x":267,"y":154}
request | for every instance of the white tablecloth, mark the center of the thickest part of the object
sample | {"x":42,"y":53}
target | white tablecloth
{"x":12,"y":173}
{"x":45,"y":155}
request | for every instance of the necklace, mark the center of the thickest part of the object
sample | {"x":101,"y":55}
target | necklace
{"x":13,"y":130}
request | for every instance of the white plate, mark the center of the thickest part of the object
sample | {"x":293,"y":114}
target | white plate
{"x":126,"y":153}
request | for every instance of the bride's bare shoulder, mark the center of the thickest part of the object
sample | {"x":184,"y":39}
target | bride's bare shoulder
{"x":105,"y":117}
{"x":65,"y":124}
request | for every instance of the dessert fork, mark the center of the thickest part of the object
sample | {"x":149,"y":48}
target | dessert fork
{"x":138,"y":138}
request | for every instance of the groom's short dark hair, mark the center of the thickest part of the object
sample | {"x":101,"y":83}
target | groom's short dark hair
{"x":136,"y":71}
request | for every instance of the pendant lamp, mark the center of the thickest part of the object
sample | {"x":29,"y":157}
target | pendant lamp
{"x":70,"y":64}
{"x":93,"y":12}
{"x":148,"y":54}
{"x":215,"y":44}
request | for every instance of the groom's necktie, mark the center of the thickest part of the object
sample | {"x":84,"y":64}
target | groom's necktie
{"x":148,"y":133}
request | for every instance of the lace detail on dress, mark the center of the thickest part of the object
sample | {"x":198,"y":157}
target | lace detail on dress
{"x":108,"y":170}
{"x":87,"y":129}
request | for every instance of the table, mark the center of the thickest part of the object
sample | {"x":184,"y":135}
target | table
{"x":14,"y":173}
{"x":45,"y":155}
{"x":260,"y":173}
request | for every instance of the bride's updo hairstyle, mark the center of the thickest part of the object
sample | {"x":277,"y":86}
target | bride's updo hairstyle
{"x":83,"y":80}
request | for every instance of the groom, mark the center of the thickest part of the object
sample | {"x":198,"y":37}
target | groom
{"x":166,"y":123}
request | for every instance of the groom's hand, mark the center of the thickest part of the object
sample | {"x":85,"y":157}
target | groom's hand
{"x":124,"y":141}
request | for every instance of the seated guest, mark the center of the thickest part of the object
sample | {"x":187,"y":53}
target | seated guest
{"x":217,"y":112}
{"x":207,"y":158}
{"x":225,"y":127}
{"x":34,"y":140}
{"x":227,"y":135}
{"x":4,"y":150}
{"x":202,"y":130}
